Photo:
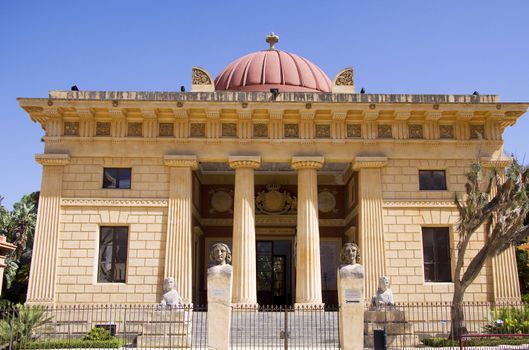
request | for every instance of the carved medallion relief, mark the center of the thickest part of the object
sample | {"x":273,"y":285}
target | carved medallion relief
{"x":272,"y":201}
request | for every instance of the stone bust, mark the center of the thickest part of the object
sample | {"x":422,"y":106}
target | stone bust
{"x":349,"y":258}
{"x":220,"y":258}
{"x":384,"y":295}
{"x":170,"y":296}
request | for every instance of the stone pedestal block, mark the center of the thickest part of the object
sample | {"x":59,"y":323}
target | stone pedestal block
{"x":167,"y":328}
{"x":351,"y":300}
{"x":219,"y":306}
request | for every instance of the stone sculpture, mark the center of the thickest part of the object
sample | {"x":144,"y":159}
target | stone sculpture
{"x":220,"y":258}
{"x":349,"y":258}
{"x":384,"y":295}
{"x":170,"y":296}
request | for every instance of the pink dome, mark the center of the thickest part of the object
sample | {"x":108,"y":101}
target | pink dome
{"x":263,"y":70}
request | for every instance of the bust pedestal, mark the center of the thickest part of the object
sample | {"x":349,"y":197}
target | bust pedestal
{"x":351,"y":301}
{"x":219,"y":306}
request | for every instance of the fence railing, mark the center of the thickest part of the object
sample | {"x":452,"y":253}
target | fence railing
{"x":145,"y":326}
{"x":273,"y":327}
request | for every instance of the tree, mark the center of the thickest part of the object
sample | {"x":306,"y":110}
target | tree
{"x":501,"y":207}
{"x":18,"y":226}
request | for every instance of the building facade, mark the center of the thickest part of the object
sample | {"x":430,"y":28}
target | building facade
{"x":274,"y":159}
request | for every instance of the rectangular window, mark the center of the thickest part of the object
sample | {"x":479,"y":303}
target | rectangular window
{"x":112,"y":254}
{"x":432,"y":180}
{"x":116,"y":178}
{"x":436,"y":254}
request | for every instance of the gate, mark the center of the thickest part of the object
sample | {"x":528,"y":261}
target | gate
{"x":284,"y":327}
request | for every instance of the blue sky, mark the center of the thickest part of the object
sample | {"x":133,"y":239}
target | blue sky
{"x":430,"y":47}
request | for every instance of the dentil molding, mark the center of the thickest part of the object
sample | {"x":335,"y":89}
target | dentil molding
{"x":104,"y":202}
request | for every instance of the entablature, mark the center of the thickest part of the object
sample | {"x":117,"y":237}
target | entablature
{"x":218,"y":120}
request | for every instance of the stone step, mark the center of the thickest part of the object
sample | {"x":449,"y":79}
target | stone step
{"x":163,"y":341}
{"x":166,"y":328}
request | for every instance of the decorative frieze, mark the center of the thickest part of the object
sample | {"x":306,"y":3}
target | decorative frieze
{"x":260,"y":130}
{"x":198,"y":129}
{"x":71,"y":129}
{"x":229,"y":130}
{"x":291,"y":131}
{"x":166,"y":129}
{"x":477,"y":132}
{"x":323,"y":131}
{"x":415,"y":131}
{"x":354,"y":130}
{"x":446,"y":131}
{"x":134,"y":129}
{"x":103,"y":128}
{"x":384,"y":131}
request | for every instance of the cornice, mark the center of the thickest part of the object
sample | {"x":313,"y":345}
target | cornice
{"x":52,"y":159}
{"x":105,"y":202}
{"x":314,"y":162}
{"x":418,"y":204}
{"x":237,"y":162}
{"x":181,"y":161}
{"x":369,"y":162}
{"x":495,"y":163}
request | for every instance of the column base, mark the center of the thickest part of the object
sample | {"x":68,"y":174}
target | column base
{"x":309,"y":306}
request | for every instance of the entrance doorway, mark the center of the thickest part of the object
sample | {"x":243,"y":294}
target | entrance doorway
{"x":274,"y":272}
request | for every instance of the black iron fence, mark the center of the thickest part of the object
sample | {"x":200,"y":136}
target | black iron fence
{"x":103,"y":326}
{"x":404,"y":325}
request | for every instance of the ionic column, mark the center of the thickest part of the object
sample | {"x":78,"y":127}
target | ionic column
{"x":42,"y":277}
{"x":179,"y":242}
{"x":370,"y":220}
{"x":308,"y":267}
{"x":506,"y":285}
{"x":243,"y":251}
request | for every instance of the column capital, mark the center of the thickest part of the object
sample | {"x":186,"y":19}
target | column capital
{"x":188,"y":161}
{"x":237,"y":162}
{"x":369,"y":162}
{"x":500,"y":163}
{"x":52,"y":159}
{"x":307,"y":162}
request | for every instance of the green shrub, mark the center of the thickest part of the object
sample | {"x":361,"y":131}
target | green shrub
{"x":438,"y":342}
{"x":22,"y":324}
{"x":96,"y":337}
{"x":509,"y":320}
{"x":97,"y":334}
{"x":74,"y":343}
{"x":444,"y":342}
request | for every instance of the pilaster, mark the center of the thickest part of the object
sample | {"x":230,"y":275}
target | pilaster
{"x":42,"y":278}
{"x":179,"y":242}
{"x":370,"y":220}
{"x":243,"y":253}
{"x":506,"y":286}
{"x":308,"y":266}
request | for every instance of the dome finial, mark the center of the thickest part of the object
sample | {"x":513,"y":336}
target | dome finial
{"x":272,"y":39}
